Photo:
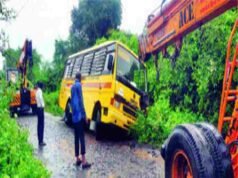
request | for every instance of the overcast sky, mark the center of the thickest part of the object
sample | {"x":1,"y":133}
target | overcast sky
{"x":43,"y":21}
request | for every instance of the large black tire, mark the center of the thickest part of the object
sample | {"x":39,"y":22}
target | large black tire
{"x":219,"y":151}
{"x":97,"y":119}
{"x":68,"y":115}
{"x":188,"y":140}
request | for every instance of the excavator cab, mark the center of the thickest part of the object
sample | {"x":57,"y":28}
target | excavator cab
{"x":12,"y":75}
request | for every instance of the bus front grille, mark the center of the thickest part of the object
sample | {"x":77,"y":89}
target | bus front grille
{"x":129,"y":111}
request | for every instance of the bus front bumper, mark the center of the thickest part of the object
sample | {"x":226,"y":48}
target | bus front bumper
{"x":117,"y":118}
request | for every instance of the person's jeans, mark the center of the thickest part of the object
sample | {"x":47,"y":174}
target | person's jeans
{"x":40,"y":124}
{"x":79,"y":135}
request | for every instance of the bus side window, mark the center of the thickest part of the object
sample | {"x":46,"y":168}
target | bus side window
{"x":108,"y":67}
{"x":87,"y":63}
{"x":99,"y":62}
{"x":70,"y":68}
{"x":77,"y":65}
{"x":66,"y":72}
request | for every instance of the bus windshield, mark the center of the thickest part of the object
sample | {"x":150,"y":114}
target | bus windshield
{"x":131,"y":70}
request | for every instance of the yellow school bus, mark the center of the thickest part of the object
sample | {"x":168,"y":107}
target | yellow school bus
{"x":114,"y":85}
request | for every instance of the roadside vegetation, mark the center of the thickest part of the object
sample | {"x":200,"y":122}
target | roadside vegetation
{"x":17,"y":158}
{"x":51,"y":103}
{"x":16,"y":154}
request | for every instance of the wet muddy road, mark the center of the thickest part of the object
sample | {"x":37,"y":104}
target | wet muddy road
{"x":110,"y":158}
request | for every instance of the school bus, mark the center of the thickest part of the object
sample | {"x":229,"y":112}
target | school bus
{"x":114,"y":85}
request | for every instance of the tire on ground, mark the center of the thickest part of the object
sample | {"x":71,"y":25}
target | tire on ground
{"x":218,"y":149}
{"x":97,"y":119}
{"x":188,"y":139}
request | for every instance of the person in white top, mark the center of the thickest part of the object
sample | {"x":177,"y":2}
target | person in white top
{"x":40,"y":113}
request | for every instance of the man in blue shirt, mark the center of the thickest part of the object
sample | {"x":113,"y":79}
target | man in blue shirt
{"x":79,"y":119}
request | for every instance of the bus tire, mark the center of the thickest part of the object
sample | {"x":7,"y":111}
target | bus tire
{"x":68,"y":115}
{"x":186,"y":153}
{"x":218,"y":149}
{"x":97,"y":119}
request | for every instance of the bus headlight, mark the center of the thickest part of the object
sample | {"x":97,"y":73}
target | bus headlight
{"x":115,"y":103}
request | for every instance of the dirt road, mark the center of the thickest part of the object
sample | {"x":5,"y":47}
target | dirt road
{"x":110,"y":158}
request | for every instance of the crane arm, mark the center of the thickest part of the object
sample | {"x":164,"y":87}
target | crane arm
{"x":25,"y":58}
{"x":176,"y":19}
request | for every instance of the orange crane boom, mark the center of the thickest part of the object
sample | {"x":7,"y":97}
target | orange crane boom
{"x":176,"y":19}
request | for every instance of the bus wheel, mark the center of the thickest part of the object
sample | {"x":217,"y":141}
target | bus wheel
{"x":68,"y":115}
{"x":187,"y":155}
{"x":218,"y":149}
{"x":97,"y":119}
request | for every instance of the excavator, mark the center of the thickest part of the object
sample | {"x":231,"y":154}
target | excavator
{"x":24,"y":100}
{"x":196,"y":150}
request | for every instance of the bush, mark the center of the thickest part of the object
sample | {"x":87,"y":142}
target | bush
{"x":160,"y":121}
{"x":129,"y":39}
{"x":51,"y":103}
{"x":16,"y":158}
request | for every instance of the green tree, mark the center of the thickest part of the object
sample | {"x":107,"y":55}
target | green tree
{"x":62,"y":51}
{"x":11,"y":57}
{"x":127,"y":38}
{"x":92,"y":19}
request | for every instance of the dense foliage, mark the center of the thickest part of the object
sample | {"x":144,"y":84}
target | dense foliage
{"x":17,"y":158}
{"x":129,"y":39}
{"x":92,"y":19}
{"x":52,"y":104}
{"x":160,"y":121}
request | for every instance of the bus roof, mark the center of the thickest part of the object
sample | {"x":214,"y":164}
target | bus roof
{"x":101,"y":45}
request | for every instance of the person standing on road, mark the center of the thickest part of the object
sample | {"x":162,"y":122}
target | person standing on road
{"x":40,"y":113}
{"x":79,"y":119}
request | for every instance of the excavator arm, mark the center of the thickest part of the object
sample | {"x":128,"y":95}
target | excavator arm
{"x":24,"y":60}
